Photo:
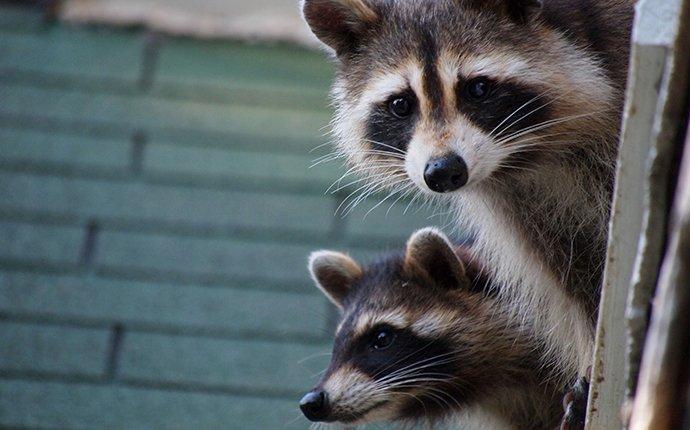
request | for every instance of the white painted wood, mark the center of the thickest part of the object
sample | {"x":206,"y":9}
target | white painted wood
{"x":660,"y":388}
{"x":648,"y":66}
{"x":671,"y":107}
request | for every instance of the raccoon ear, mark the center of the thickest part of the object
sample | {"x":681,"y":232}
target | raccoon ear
{"x":430,"y":250}
{"x":334,"y":272}
{"x":338,"y":23}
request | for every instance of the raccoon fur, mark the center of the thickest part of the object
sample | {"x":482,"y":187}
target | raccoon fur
{"x":423,"y":340}
{"x":508,"y":112}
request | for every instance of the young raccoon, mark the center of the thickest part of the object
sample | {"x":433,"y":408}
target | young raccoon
{"x":421,"y":339}
{"x":506,"y":110}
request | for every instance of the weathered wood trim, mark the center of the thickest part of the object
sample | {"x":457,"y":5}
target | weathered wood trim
{"x":639,"y":208}
{"x":658,"y":401}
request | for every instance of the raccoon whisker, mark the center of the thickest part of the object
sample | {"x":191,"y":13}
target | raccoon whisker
{"x":439,"y":399}
{"x":538,"y":127}
{"x":410,"y":395}
{"x":368,"y":178}
{"x":410,"y":188}
{"x":533,"y":99}
{"x":325,"y":159}
{"x":366,"y":191}
{"x":320,"y":354}
{"x":385,"y":153}
{"x":401,"y":359}
{"x":418,"y":363}
{"x":366,"y":187}
{"x":414,"y":370}
{"x":534,"y":138}
{"x":425,"y":377}
{"x":321,"y":145}
{"x":369,"y":193}
{"x":380,"y":166}
{"x":541,"y":126}
{"x":417,"y":195}
{"x":337,"y":155}
{"x":372,"y":167}
{"x":385,"y":145}
{"x":391,"y":194}
{"x":532,"y":112}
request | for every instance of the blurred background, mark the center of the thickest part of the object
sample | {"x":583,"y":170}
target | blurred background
{"x":156,"y":212}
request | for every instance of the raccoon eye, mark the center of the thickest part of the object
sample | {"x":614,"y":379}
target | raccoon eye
{"x":383,"y":339}
{"x":478,"y":89}
{"x":401,"y":106}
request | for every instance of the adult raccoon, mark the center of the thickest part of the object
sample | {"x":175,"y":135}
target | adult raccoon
{"x":509,"y":112}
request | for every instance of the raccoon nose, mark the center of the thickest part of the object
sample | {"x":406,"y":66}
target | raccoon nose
{"x":314,"y":405}
{"x":444,"y":174}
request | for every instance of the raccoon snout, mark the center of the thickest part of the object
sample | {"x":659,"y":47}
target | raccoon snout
{"x":445,"y":174}
{"x":314,"y":405}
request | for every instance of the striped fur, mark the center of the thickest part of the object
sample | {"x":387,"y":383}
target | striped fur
{"x":456,"y":357}
{"x":540,"y":150}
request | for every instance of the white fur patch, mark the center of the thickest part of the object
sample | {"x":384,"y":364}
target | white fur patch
{"x":368,"y":320}
{"x":433,"y":324}
{"x":536,"y":295}
{"x":496,"y":65}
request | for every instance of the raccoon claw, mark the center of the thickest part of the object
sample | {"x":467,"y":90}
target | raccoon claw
{"x":575,"y":406}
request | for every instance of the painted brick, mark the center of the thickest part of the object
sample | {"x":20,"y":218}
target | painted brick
{"x":200,"y":256}
{"x":183,"y":61}
{"x":228,"y":258}
{"x":19,"y":19}
{"x":146,"y":111}
{"x":137,"y":202}
{"x":253,"y":365}
{"x":388,"y":222}
{"x":223,"y":163}
{"x":39,"y":348}
{"x":63,"y":149}
{"x":73,"y":51}
{"x":81,"y":406}
{"x":40,"y":243}
{"x":181,"y":307}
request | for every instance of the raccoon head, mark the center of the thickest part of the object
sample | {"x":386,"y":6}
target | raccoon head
{"x":453,"y":94}
{"x":398,"y":353}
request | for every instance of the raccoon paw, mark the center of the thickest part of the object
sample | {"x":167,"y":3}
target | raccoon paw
{"x":575,"y":406}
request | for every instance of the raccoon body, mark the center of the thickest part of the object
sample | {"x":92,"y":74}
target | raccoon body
{"x":421,"y":338}
{"x":507,"y":111}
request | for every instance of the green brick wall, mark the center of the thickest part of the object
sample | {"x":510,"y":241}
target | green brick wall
{"x":156,"y":211}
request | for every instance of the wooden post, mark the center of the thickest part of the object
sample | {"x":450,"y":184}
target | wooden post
{"x":656,"y":92}
{"x":659,"y":400}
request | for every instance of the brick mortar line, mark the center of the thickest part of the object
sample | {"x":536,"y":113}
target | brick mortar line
{"x":169,"y":330}
{"x":246,"y":184}
{"x":134,"y":88}
{"x":113,"y":356}
{"x":199,"y":388}
{"x":130,"y":275}
{"x":282,"y":145}
{"x":230,"y":233}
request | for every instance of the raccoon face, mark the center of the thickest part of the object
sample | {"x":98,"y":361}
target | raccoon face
{"x":393,"y":356}
{"x":451,"y":94}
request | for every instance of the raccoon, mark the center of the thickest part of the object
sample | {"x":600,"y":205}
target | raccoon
{"x":508,"y":111}
{"x":423,"y":339}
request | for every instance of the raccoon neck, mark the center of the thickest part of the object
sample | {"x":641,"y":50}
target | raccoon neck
{"x":503,"y":370}
{"x":528,"y":407}
{"x":543,"y":242}
{"x":561,"y":212}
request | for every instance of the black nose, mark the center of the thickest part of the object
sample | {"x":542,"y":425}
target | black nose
{"x":444,"y":174}
{"x":314,"y":405}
